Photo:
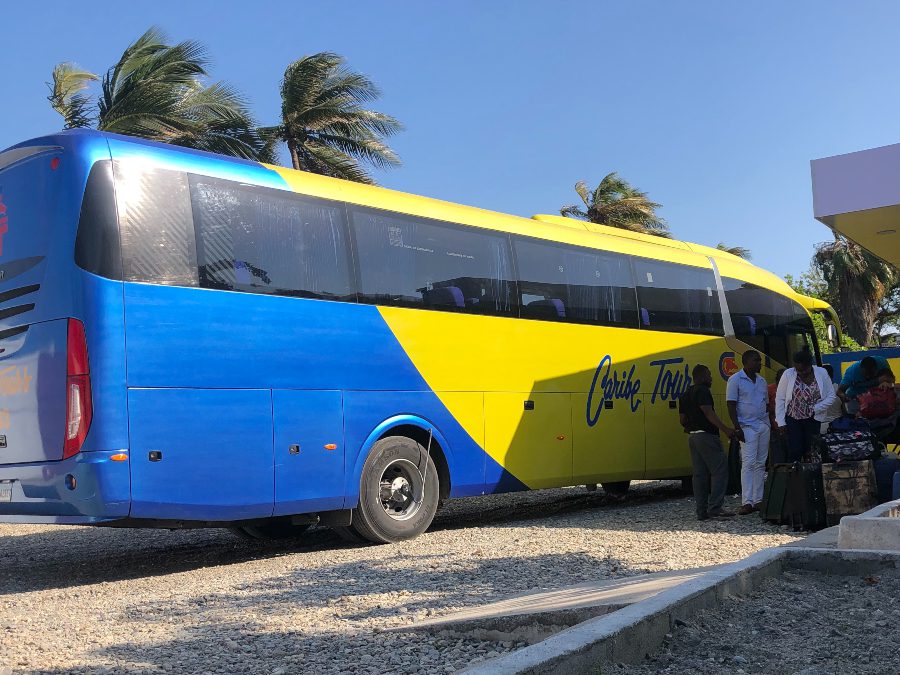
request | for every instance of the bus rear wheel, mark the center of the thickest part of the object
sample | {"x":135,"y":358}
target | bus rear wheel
{"x":617,"y":488}
{"x":398,"y":494}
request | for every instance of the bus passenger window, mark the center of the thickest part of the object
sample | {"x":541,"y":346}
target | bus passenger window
{"x":769,"y":322}
{"x":261,"y":240}
{"x":565,"y":283}
{"x":677,"y":298}
{"x":157,"y":230}
{"x":414,"y":262}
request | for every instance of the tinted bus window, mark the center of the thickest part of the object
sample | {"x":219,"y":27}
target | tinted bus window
{"x":677,"y":298}
{"x":767,"y":321}
{"x":266,"y":241}
{"x":414,"y":262}
{"x":561,"y":283}
{"x":97,"y":242}
{"x":155,"y":225}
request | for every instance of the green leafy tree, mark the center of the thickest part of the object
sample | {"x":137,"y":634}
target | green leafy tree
{"x":158,"y":91}
{"x":857,"y":283}
{"x":616,"y":203}
{"x":325,"y":123}
{"x":739,"y":251}
{"x":811,"y":283}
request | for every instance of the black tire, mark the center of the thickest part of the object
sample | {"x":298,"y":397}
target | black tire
{"x":687,"y":486}
{"x":617,"y":488}
{"x":348,"y":534}
{"x":277,"y":531}
{"x":387,"y":512}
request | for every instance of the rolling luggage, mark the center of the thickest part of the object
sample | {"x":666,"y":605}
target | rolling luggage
{"x":850,"y":489}
{"x":794,"y":495}
{"x":778,"y":449}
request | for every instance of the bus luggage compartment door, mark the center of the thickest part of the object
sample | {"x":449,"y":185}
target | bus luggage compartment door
{"x":530,"y":435}
{"x":309,"y":451}
{"x":201,"y":454}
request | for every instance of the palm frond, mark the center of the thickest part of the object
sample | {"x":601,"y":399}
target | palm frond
{"x":739,"y":251}
{"x":68,"y":81}
{"x":324,"y":121}
{"x":616,"y":203}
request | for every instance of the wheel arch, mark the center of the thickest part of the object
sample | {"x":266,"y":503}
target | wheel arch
{"x":409,"y":426}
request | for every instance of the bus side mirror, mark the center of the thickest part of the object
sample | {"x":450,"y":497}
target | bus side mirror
{"x":832,"y":335}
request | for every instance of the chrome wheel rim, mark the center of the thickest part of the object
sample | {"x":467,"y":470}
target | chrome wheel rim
{"x":400,"y":482}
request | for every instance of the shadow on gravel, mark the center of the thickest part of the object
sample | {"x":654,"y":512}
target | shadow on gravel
{"x":274,"y":622}
{"x":66,"y":557}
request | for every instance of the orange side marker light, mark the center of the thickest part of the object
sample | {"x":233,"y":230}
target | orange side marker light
{"x":119,"y":457}
{"x":331,"y":446}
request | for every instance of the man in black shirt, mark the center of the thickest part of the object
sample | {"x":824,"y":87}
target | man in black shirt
{"x":700,"y":421}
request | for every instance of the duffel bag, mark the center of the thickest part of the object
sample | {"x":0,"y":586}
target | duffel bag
{"x":877,"y":403}
{"x":849,"y":423}
{"x":843,"y":446}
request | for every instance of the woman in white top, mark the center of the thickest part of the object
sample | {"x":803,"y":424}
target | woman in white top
{"x":804,"y":395}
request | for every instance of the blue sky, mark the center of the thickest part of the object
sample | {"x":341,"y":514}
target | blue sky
{"x":713,"y":108}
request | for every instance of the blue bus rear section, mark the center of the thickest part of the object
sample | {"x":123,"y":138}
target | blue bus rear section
{"x":227,"y":406}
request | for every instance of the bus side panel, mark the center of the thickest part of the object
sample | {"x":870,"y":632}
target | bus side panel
{"x":189,"y":337}
{"x":309,"y":451}
{"x":201,"y":454}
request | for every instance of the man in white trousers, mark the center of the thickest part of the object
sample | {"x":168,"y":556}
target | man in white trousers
{"x":747,"y":397}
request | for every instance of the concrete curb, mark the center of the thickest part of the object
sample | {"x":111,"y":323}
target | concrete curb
{"x":628,"y":635}
{"x":878,"y":529}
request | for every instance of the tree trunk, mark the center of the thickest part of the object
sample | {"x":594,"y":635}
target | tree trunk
{"x":295,"y":155}
{"x":858,"y":311}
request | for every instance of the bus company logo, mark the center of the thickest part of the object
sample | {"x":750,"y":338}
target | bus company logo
{"x":672,"y":380}
{"x":4,"y":222}
{"x":728,"y":365}
{"x":14,"y":380}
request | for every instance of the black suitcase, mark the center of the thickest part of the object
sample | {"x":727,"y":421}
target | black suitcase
{"x":778,"y":449}
{"x":794,"y":495}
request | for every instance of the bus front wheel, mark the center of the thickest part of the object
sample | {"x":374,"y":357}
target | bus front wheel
{"x":399,"y":492}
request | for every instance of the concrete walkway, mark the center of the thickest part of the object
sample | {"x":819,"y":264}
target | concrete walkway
{"x":601,"y":596}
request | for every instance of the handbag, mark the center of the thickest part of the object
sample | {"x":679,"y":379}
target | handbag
{"x":877,"y":403}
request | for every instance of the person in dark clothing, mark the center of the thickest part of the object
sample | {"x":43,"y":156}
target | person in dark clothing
{"x":702,"y":424}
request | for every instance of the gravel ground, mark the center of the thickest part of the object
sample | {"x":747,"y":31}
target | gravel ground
{"x":803,"y":623}
{"x":103,"y":600}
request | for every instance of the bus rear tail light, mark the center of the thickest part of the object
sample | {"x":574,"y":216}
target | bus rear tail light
{"x":79,"y":409}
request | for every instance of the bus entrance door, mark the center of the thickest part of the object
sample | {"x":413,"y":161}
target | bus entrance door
{"x":309,"y":451}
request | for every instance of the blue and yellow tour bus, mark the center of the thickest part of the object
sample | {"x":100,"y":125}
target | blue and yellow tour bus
{"x":195,"y":340}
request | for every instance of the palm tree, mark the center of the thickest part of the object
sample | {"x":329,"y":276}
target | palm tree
{"x":617,"y":204}
{"x":324,"y":123}
{"x":156,"y":91}
{"x":739,"y":251}
{"x":858,"y":281}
